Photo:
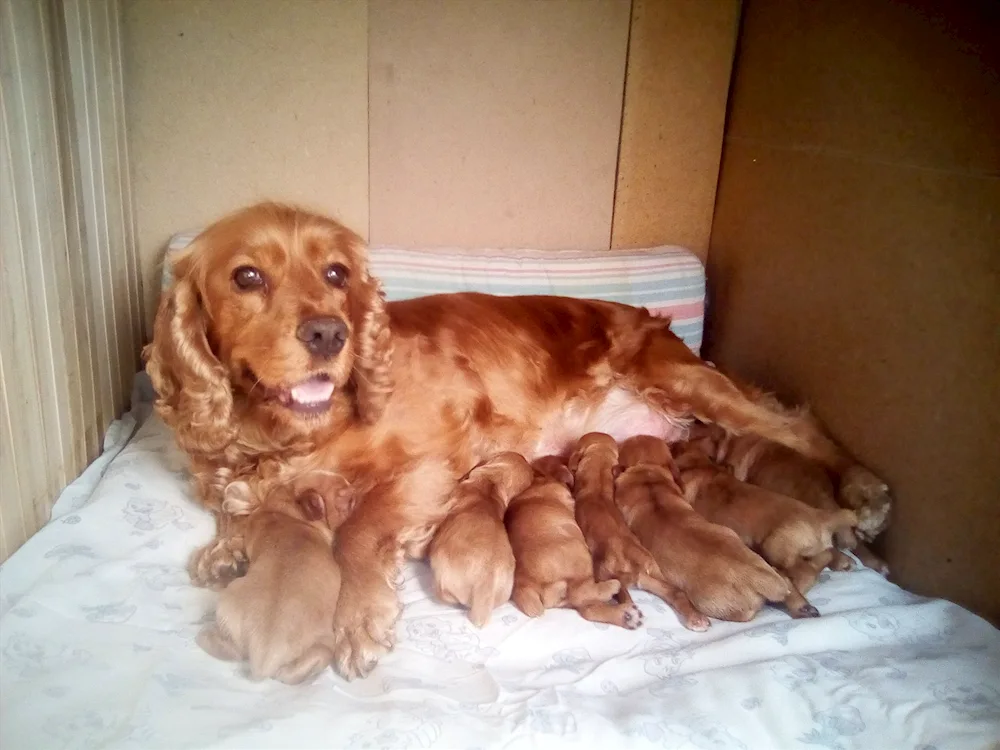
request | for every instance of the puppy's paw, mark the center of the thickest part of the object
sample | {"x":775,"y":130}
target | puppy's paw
{"x":872,"y":561}
{"x":632,"y":618}
{"x":695,"y":621}
{"x":806,"y":611}
{"x":218,"y":563}
{"x":841,"y":562}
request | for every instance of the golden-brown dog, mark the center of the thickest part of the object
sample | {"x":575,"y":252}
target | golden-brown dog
{"x":772,"y":466}
{"x":279,"y":617}
{"x":470,"y":555}
{"x":553,"y":565}
{"x":274,"y":349}
{"x":795,"y":538}
{"x":721,"y":575}
{"x":618,"y":554}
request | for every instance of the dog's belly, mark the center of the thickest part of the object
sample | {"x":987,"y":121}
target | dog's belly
{"x":620,"y":414}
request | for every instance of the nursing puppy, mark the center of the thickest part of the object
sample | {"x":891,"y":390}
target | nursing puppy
{"x":553,"y":565}
{"x":279,"y":617}
{"x":773,"y":467}
{"x":617,"y":553}
{"x":795,"y":538}
{"x":721,"y":575}
{"x":470,"y":556}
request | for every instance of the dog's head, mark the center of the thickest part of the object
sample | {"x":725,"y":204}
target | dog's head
{"x":274,"y":318}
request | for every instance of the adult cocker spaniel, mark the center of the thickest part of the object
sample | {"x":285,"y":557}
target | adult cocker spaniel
{"x":274,"y":354}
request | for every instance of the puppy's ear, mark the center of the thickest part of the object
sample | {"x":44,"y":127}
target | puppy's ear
{"x":340,"y":506}
{"x":616,"y":471}
{"x":238,"y":500}
{"x":675,"y":474}
{"x":574,"y":461}
{"x":312,"y":505}
{"x":193,"y":393}
{"x":334,"y":491}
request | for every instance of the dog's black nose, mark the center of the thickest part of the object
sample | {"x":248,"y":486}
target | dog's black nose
{"x":324,"y":337}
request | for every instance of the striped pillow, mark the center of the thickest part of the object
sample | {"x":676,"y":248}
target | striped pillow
{"x":668,"y":281}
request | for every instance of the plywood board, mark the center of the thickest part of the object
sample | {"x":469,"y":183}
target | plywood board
{"x":495,"y":124}
{"x":855,"y":260}
{"x":233,"y":101}
{"x":680,"y":58}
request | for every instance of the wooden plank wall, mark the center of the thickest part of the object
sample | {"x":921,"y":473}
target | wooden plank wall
{"x":70,"y":300}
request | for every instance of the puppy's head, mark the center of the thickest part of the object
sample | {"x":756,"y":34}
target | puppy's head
{"x":597,"y":445}
{"x":704,"y":439}
{"x":645,"y":449}
{"x":321,"y":498}
{"x":553,"y":468}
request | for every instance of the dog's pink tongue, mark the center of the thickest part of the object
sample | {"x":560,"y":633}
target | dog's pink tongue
{"x":314,"y":391}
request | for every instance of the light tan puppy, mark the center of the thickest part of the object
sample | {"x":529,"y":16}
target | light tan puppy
{"x":772,"y":466}
{"x":722,"y":577}
{"x":618,"y":554}
{"x":470,"y":555}
{"x":795,"y":538}
{"x":279,"y":617}
{"x":554,"y":567}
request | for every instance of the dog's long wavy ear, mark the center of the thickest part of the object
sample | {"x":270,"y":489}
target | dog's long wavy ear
{"x":193,"y":393}
{"x":372,"y":374}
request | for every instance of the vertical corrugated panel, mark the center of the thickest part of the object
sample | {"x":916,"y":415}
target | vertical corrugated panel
{"x":69,"y":293}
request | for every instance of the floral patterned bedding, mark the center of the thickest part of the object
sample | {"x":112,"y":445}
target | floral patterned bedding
{"x":97,"y":625}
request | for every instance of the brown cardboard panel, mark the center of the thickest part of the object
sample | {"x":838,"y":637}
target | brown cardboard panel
{"x":495,"y":124}
{"x":914,"y":82}
{"x":680,"y":58}
{"x":233,"y":101}
{"x":873,"y":292}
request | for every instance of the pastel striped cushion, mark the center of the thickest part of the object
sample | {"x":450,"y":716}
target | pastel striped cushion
{"x":669,"y":281}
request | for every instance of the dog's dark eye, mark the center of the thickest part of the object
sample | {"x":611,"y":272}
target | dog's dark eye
{"x":336,"y":275}
{"x":248,"y":277}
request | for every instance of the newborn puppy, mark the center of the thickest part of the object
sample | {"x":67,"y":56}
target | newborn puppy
{"x":279,"y":616}
{"x":722,"y":577}
{"x":553,"y":565}
{"x":795,"y":538}
{"x":470,"y":555}
{"x":773,"y":467}
{"x":617,"y":552}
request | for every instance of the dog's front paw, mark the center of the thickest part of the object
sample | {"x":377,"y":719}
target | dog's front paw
{"x":865,"y":493}
{"x":363,"y":633}
{"x":218,"y":563}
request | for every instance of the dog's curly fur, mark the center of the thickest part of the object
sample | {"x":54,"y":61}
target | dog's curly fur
{"x":422,"y":390}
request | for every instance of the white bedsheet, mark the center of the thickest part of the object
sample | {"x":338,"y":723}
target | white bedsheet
{"x":97,"y":625}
